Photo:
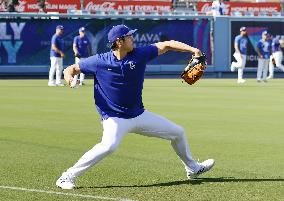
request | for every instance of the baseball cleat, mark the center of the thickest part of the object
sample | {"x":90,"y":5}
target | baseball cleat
{"x":51,"y":84}
{"x":203,"y":167}
{"x":60,"y":84}
{"x":65,"y":182}
{"x":242,"y":81}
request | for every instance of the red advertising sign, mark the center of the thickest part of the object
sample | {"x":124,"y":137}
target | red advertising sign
{"x":243,"y":7}
{"x":145,"y":6}
{"x":63,"y":6}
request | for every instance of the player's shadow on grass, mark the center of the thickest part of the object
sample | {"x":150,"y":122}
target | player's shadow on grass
{"x":197,"y":181}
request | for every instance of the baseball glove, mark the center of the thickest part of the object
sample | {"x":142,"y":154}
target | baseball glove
{"x":195,"y":69}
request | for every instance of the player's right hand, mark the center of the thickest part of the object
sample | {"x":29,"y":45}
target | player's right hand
{"x":62,"y":54}
{"x":77,"y":55}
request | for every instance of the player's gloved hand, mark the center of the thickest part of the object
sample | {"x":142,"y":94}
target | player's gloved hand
{"x":195,"y":69}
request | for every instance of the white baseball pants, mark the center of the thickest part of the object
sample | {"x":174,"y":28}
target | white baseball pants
{"x":278,"y":56}
{"x":82,"y":75}
{"x":240,"y":64}
{"x":148,"y":124}
{"x":262,"y":69}
{"x":56,"y":67}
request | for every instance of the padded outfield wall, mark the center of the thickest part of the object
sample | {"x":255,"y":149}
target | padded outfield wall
{"x":25,"y":43}
{"x":225,"y":30}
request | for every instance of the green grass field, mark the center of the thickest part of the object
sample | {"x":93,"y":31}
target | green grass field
{"x":44,"y":130}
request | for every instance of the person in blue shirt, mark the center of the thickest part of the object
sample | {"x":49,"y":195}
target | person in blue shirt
{"x":118,"y":83}
{"x":240,"y":46}
{"x":82,"y":50}
{"x":56,"y":57}
{"x":277,"y":55}
{"x":263,"y":49}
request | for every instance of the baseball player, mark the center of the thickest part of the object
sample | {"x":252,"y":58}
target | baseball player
{"x":118,"y":83}
{"x":56,"y":57}
{"x":263,"y":49}
{"x":277,"y":55}
{"x":240,"y":46}
{"x":81,"y":48}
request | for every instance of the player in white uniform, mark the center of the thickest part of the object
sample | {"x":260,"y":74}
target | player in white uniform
{"x":118,"y":83}
{"x":277,"y":54}
{"x":240,"y":46}
{"x":56,"y":58}
{"x":82,"y":50}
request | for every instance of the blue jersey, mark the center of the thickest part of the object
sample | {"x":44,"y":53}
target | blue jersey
{"x":242,"y":42}
{"x":275,"y":45}
{"x":59,"y":43}
{"x":264,"y":47}
{"x":82,"y":45}
{"x":118,"y":84}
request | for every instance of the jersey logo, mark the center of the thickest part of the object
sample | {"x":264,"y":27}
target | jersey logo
{"x":131,"y":65}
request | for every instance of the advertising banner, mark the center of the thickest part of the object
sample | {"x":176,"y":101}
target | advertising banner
{"x":63,"y":6}
{"x":243,"y":7}
{"x":145,"y":6}
{"x":27,"y":42}
{"x":254,"y":30}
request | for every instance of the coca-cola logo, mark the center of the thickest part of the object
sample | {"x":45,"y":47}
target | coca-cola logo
{"x":206,"y":8}
{"x":106,"y":6}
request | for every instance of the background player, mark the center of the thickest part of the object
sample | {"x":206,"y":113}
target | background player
{"x":263,"y":49}
{"x":240,"y":46}
{"x":277,"y":54}
{"x":82,"y":50}
{"x":118,"y":83}
{"x":56,"y":57}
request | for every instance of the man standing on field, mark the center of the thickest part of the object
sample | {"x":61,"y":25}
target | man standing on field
{"x":240,"y":46}
{"x":56,"y":57}
{"x":82,"y":50}
{"x":118,"y":83}
{"x":263,"y":49}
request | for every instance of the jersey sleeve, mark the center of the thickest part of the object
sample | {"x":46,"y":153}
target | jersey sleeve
{"x":237,"y":38}
{"x":259,"y":45}
{"x":53,"y":40}
{"x":89,"y":65}
{"x":150,"y":52}
{"x":75,"y":41}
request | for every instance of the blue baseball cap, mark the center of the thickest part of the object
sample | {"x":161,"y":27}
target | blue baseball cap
{"x":119,"y":31}
{"x":82,"y":29}
{"x":243,"y":29}
{"x":59,"y":27}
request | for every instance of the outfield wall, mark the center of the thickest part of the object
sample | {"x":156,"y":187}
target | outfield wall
{"x":224,"y":40}
{"x":25,"y":43}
